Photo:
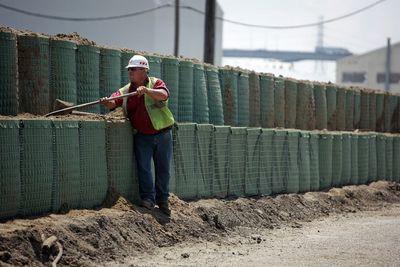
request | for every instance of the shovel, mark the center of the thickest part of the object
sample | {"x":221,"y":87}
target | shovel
{"x":63,"y":107}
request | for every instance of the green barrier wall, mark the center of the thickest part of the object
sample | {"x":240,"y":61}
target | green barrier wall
{"x":216,"y":113}
{"x":170,"y":75}
{"x":291,"y":105}
{"x":110,"y":72}
{"x":10,"y":179}
{"x":93,"y":176}
{"x":200,"y":101}
{"x":266,"y":161}
{"x":304,"y":162}
{"x":354,"y":159}
{"x":252,"y":175}
{"x":341,"y":109}
{"x":381,"y":155}
{"x":125,"y":56}
{"x":337,"y":147}
{"x":364,"y":107}
{"x":279,"y":102}
{"x":185,"y":95}
{"x":254,"y":99}
{"x":155,"y":65}
{"x":325,"y":160}
{"x":33,"y":75}
{"x":243,"y":99}
{"x":87,"y":76}
{"x":204,"y":170}
{"x":237,"y":161}
{"x":293,"y":167}
{"x":396,"y":159}
{"x":357,"y":109}
{"x":8,"y":74}
{"x":66,"y":164}
{"x":331,"y":106}
{"x":229,"y":83}
{"x":314,"y":161}
{"x":380,"y":118}
{"x":372,"y":111}
{"x":349,"y":110}
{"x":372,"y":158}
{"x":221,"y":147}
{"x":389,"y":157}
{"x":320,"y":106}
{"x":185,"y":158}
{"x":36,"y":167}
{"x":363,"y":158}
{"x":62,"y":71}
{"x":267,"y":115}
{"x":346,"y":160}
{"x":280,"y":159}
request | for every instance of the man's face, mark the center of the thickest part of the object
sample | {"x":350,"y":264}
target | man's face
{"x":137,"y":75}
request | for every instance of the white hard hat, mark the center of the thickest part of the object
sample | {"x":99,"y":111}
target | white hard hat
{"x":138,"y":61}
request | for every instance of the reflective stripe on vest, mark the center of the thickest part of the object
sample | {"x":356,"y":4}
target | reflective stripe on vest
{"x":160,"y":115}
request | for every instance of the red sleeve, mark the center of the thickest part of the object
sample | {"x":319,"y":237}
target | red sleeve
{"x":160,"y":84}
{"x":118,"y":102}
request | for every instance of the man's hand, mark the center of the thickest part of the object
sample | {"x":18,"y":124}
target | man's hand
{"x":110,"y":104}
{"x":141,"y":90}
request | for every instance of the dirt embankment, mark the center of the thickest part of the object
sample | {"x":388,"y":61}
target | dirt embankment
{"x":120,"y":229}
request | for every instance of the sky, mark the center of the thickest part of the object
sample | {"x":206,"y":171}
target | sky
{"x":360,"y":33}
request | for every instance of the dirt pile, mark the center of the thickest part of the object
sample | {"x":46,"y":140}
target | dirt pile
{"x":119,"y":228}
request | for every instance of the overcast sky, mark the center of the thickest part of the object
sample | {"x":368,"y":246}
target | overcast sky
{"x":359,"y":33}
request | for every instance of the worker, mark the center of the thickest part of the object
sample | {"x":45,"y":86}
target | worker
{"x":149,"y":114}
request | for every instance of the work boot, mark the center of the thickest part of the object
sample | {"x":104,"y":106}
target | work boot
{"x":147,"y":203}
{"x":164,"y":207}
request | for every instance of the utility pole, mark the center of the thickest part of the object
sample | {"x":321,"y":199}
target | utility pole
{"x":176,"y":44}
{"x":387,"y":67}
{"x":209,"y":32}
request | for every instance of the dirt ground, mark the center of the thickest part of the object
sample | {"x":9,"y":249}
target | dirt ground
{"x":120,"y":232}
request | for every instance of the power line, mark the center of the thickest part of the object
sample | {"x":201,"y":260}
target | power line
{"x":271,"y":27}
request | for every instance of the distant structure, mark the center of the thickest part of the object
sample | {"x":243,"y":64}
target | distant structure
{"x":369,"y":69}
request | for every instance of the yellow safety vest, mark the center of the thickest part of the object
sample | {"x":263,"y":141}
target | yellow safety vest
{"x":160,"y":115}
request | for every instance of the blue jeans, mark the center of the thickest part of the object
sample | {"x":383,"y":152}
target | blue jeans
{"x":159,"y":148}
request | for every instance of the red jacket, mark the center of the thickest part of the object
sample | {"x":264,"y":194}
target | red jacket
{"x":136,"y":109}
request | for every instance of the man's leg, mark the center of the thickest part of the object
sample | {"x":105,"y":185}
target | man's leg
{"x":162,"y":161}
{"x":143,"y":152}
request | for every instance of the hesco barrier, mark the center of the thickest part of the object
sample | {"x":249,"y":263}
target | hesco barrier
{"x":236,"y":186}
{"x":125,"y":56}
{"x":87,"y":76}
{"x":325,"y":157}
{"x":204,"y":169}
{"x":337,"y":159}
{"x":36,"y":167}
{"x":110,"y":72}
{"x":185,"y":94}
{"x":364,"y":109}
{"x":56,"y":165}
{"x":341,"y":109}
{"x":391,"y":113}
{"x":304,"y":162}
{"x":154,"y":65}
{"x":354,"y":159}
{"x":267,"y":105}
{"x":243,"y":99}
{"x":200,"y":100}
{"x":331,"y":106}
{"x":62,"y":70}
{"x":252,"y":175}
{"x":8,"y":74}
{"x":216,"y":112}
{"x":66,"y":165}
{"x":229,"y":84}
{"x":372,"y":111}
{"x":170,"y":75}
{"x":320,"y":106}
{"x":363,"y":158}
{"x":292,"y":106}
{"x":221,"y":148}
{"x":305,"y":106}
{"x":346,"y":159}
{"x":185,"y":159}
{"x":279,"y":102}
{"x":357,"y":109}
{"x":380,"y":119}
{"x":33,"y":74}
{"x":280,"y":162}
{"x":292,"y":164}
{"x":266,"y":162}
{"x":10,"y":190}
{"x":121,"y":166}
{"x":92,"y":150}
{"x":254,"y":99}
{"x":349,"y":110}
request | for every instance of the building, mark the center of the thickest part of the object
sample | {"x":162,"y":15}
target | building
{"x":368,"y":70}
{"x":152,"y":31}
